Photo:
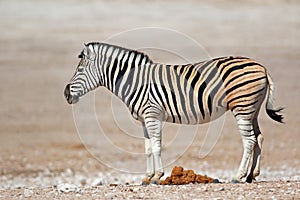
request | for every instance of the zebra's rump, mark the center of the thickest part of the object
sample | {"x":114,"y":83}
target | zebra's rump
{"x":199,"y":93}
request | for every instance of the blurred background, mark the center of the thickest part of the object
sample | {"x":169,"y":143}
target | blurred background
{"x":39,"y":44}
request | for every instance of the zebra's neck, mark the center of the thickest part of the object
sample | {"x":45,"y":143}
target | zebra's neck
{"x":121,"y":69}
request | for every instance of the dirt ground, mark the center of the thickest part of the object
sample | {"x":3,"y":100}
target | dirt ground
{"x":44,"y":156}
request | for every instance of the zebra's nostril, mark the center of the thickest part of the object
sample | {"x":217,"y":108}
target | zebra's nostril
{"x":71,"y":99}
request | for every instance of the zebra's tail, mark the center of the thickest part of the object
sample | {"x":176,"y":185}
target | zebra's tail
{"x":271,"y":111}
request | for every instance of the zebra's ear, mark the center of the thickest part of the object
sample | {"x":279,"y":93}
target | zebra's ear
{"x":89,"y":52}
{"x":84,"y":51}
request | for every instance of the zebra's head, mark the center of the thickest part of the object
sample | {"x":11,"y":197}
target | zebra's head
{"x":85,"y":77}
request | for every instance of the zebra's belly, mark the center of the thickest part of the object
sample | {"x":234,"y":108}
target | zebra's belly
{"x":194,"y":118}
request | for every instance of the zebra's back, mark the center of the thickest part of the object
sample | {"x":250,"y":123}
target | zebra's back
{"x":199,"y":93}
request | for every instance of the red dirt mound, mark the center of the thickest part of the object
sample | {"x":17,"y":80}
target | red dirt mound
{"x":179,"y":176}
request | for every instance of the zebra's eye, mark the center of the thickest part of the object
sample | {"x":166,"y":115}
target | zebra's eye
{"x":80,"y":55}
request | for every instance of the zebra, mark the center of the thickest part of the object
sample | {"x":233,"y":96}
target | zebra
{"x":184,"y":94}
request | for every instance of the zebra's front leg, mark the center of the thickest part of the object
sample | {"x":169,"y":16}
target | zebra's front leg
{"x":159,"y":171}
{"x":153,"y":127}
{"x":249,"y":140}
{"x":149,"y":157}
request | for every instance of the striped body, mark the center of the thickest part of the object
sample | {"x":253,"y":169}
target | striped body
{"x":199,"y":93}
{"x":184,"y":94}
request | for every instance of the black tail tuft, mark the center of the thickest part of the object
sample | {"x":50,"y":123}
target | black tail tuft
{"x":273,"y":114}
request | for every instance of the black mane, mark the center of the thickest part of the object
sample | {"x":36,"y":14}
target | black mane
{"x":148,"y":60}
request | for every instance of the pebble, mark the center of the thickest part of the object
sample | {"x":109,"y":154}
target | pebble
{"x":28,"y":193}
{"x":98,"y":181}
{"x":239,"y":189}
{"x":109,"y":196}
{"x":66,"y":187}
{"x":68,"y":173}
{"x":219,"y":189}
{"x":47,"y":172}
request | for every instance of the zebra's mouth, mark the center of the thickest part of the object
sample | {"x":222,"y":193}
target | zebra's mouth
{"x":70,"y":99}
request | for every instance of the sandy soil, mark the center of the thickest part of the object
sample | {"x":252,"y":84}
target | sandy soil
{"x":41,"y":152}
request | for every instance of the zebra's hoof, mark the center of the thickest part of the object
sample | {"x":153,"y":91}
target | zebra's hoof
{"x":235,"y":181}
{"x":146,"y":181}
{"x":216,"y":181}
{"x":155,"y":182}
{"x":249,"y":179}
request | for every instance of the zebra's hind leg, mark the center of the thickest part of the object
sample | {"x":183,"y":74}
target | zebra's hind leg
{"x":249,"y":140}
{"x":255,"y":168}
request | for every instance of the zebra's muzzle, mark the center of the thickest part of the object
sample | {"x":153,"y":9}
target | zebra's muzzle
{"x":70,"y":99}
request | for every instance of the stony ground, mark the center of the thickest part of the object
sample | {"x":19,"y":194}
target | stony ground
{"x":261,"y":190}
{"x":43,"y":155}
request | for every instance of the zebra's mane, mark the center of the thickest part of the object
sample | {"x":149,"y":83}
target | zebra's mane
{"x":143,"y":55}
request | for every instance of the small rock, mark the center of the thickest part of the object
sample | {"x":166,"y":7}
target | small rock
{"x":219,"y":189}
{"x":28,"y":166}
{"x":66,"y":187}
{"x":99,"y":181}
{"x":142,"y":194}
{"x":47,"y":172}
{"x":241,"y":197}
{"x":83,"y":182}
{"x":68,"y":172}
{"x":109,"y":196}
{"x":239,"y":190}
{"x":271,"y":189}
{"x":28,"y":193}
{"x":12,"y":157}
